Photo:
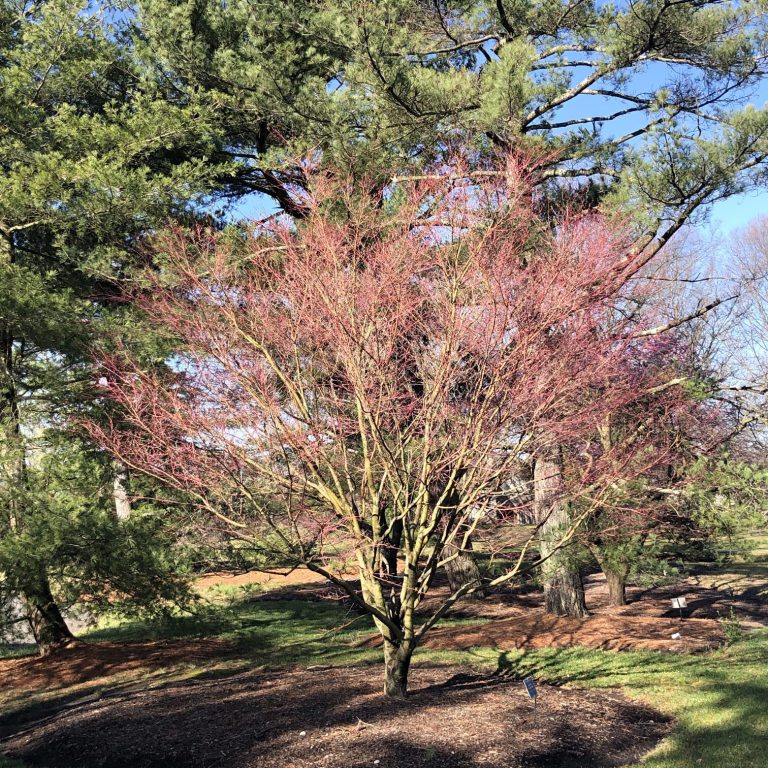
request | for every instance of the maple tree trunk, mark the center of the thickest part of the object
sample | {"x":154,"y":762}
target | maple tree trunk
{"x":392,"y":546}
{"x":397,"y":662}
{"x":45,"y":620}
{"x":563,"y":587}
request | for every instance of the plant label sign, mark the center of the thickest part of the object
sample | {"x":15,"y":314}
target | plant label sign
{"x":679,"y":603}
{"x":530,"y":686}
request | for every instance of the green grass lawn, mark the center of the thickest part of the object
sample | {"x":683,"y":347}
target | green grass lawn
{"x":270,"y":632}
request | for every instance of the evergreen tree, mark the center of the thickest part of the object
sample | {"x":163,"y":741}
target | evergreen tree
{"x":647,"y":98}
{"x":96,"y":148}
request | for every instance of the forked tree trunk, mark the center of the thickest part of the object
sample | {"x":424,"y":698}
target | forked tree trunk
{"x":563,"y":587}
{"x":45,"y":620}
{"x":397,"y":662}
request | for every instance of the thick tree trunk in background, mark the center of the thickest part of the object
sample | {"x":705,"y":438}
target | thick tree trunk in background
{"x":461,"y":566}
{"x":564,"y":593}
{"x":617,"y":587}
{"x":48,"y":626}
{"x":397,"y":662}
{"x":459,"y":561}
{"x":563,"y":588}
{"x":616,"y":575}
{"x":120,"y":492}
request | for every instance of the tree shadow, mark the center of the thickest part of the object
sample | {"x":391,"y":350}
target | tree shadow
{"x":338,"y":718}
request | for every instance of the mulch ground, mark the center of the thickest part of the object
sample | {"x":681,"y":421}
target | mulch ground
{"x":88,"y":662}
{"x":540,"y":630}
{"x":647,"y":622}
{"x":338,"y":718}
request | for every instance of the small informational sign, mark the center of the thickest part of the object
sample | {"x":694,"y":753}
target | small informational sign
{"x":530,"y":686}
{"x":679,"y":603}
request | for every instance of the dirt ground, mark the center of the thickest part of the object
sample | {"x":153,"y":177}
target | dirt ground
{"x":91,"y":662}
{"x":336,"y":718}
{"x":301,"y":576}
{"x":103,"y":715}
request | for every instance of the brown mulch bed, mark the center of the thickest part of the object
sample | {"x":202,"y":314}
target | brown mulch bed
{"x":82,"y":662}
{"x":619,"y":633}
{"x":338,"y":718}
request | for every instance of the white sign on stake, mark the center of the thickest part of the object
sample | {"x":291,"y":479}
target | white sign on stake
{"x":679,"y":603}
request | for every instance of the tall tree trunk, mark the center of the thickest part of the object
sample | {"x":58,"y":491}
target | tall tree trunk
{"x":120,"y":492}
{"x":617,"y":588}
{"x":48,"y":626}
{"x":397,"y":662}
{"x":563,"y":588}
{"x":616,"y":575}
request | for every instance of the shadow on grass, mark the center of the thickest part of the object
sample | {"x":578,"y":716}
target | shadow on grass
{"x":720,"y":700}
{"x":275,"y":631}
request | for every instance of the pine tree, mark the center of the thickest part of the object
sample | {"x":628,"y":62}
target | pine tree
{"x":96,"y":149}
{"x":645,"y":98}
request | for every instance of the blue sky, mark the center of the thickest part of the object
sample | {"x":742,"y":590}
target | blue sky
{"x":738,"y":211}
{"x":723,"y":217}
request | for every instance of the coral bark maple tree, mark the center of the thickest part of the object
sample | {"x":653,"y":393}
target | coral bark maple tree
{"x":365,"y":382}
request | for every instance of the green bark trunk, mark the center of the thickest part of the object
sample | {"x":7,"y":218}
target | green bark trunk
{"x":397,"y":663}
